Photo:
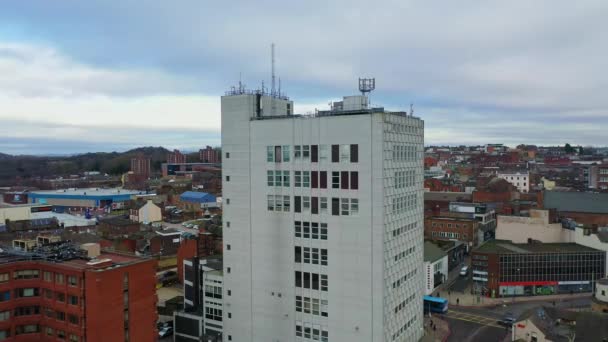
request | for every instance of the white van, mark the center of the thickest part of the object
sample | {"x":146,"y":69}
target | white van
{"x":464,"y":271}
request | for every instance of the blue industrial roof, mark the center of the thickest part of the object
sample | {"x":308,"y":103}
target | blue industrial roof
{"x":116,"y":195}
{"x":198,"y":197}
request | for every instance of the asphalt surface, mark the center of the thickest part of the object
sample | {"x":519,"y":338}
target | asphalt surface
{"x":481,"y":324}
{"x":469,"y":327}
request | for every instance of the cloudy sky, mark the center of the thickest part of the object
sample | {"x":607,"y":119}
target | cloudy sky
{"x":79,"y":76}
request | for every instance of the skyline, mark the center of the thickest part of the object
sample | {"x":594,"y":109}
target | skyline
{"x":104,"y":76}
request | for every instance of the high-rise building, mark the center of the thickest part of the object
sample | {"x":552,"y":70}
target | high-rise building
{"x":140,"y":166}
{"x":323,"y":221}
{"x":209,"y":155}
{"x":176,"y":157}
{"x":56,"y":292}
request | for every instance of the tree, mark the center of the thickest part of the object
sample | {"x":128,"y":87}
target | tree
{"x":568,"y":148}
{"x":581,"y":151}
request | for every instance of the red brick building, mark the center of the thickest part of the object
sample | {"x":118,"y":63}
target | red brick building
{"x":602,"y":177}
{"x":176,"y":157}
{"x":110,"y":298}
{"x":452,"y":228}
{"x":209,"y":155}
{"x":140,"y":165}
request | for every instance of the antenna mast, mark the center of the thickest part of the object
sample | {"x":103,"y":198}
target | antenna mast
{"x":272,"y":89}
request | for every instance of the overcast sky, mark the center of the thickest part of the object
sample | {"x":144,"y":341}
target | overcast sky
{"x":78,"y":76}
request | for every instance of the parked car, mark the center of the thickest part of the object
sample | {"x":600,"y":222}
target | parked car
{"x":165,"y":332}
{"x":195,"y":227}
{"x":464,"y":271}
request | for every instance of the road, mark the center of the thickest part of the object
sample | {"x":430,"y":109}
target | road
{"x":469,"y":326}
{"x":480,"y":324}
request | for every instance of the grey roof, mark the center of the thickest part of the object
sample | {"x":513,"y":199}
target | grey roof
{"x":432,"y":252}
{"x":554,"y":323}
{"x":447,"y":196}
{"x":584,"y":202}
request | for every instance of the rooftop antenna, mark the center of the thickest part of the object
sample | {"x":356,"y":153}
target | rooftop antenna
{"x":279,"y":86}
{"x":411,"y":109}
{"x":272,"y":89}
{"x":240,"y":82}
{"x":366,"y":85}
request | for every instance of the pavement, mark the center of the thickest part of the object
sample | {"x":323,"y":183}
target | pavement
{"x":439,"y":333}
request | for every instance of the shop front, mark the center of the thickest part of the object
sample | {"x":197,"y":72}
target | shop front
{"x":574,"y":286}
{"x":528,"y":288}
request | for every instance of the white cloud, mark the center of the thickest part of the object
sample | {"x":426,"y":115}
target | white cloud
{"x":38,"y":85}
{"x":477,"y":71}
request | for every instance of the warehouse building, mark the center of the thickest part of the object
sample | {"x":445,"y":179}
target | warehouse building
{"x":84,"y":198}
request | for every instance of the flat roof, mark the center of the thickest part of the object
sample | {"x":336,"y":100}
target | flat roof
{"x":8,"y":205}
{"x":92,"y":193}
{"x":116,"y":259}
{"x":508,"y":247}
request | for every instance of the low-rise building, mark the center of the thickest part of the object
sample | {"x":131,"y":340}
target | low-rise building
{"x":521,"y":179}
{"x":471,"y":223}
{"x":435,"y":266}
{"x":192,"y":200}
{"x":146,"y":213}
{"x":202,"y":317}
{"x":503,"y":268}
{"x":584,"y":207}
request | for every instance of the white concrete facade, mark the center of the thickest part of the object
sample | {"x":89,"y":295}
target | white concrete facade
{"x":521,"y":180}
{"x":373,"y":246}
{"x":431,"y":268}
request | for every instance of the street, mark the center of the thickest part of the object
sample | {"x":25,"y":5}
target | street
{"x":480,"y":324}
{"x":472,"y":327}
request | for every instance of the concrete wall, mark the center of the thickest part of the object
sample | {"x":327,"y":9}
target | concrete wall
{"x":149,"y":213}
{"x":519,"y":229}
{"x":15,"y":214}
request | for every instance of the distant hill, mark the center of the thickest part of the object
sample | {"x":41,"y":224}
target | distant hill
{"x":113,"y":163}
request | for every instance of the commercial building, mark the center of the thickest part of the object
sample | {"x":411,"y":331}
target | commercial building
{"x":176,"y":157}
{"x":435,"y":266}
{"x":69,"y":295}
{"x":209,"y":155}
{"x":140,"y":166}
{"x":83,"y":198}
{"x":328,"y":210}
{"x":503,"y":268}
{"x":202,"y":317}
{"x":521,"y":179}
{"x":471,"y":223}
